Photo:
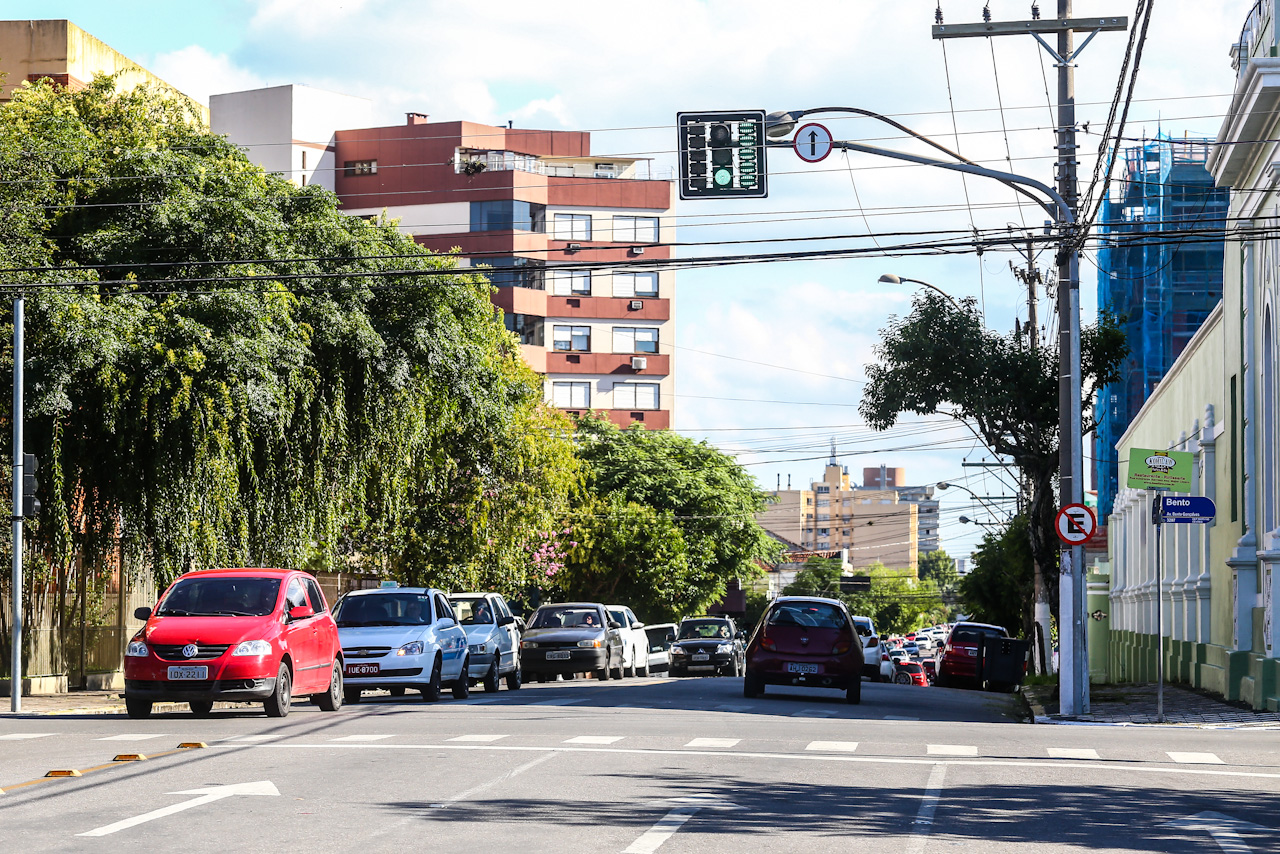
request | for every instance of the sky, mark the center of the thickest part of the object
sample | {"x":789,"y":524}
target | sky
{"x":770,"y":357}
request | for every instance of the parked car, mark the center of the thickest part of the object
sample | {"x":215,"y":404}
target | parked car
{"x":493,"y":639}
{"x":238,"y":635}
{"x":870,"y":641}
{"x":910,"y":673}
{"x":886,"y":664}
{"x":957,"y":663}
{"x":806,"y":641}
{"x":911,"y":648}
{"x":930,"y":669}
{"x":708,"y":645}
{"x":661,"y":638}
{"x":402,"y":638}
{"x":571,"y":637}
{"x":635,"y":643}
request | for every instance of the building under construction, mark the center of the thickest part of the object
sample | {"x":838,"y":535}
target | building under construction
{"x":1159,"y":273}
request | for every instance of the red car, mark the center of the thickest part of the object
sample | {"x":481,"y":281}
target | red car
{"x":236,"y":635}
{"x":910,"y":673}
{"x":805,"y":641}
{"x":958,"y":661}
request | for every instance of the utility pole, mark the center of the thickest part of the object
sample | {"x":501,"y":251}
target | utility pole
{"x":15,"y":660}
{"x":1074,"y":671}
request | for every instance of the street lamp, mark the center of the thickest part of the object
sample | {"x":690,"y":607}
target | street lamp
{"x":893,"y":279}
{"x":967,"y":521}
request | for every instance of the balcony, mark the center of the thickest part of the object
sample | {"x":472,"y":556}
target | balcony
{"x":559,"y":362}
{"x":616,"y":308}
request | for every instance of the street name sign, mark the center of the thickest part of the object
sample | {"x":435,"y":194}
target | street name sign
{"x":1187,"y":508}
{"x":812,"y":142}
{"x":1158,"y":469}
{"x":1076,"y":524}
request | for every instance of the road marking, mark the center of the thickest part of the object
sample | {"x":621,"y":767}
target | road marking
{"x":838,"y":746}
{"x":651,"y":840}
{"x":362,"y":738}
{"x":952,"y":750}
{"x":255,"y":738}
{"x":593,"y":739}
{"x":20,"y":736}
{"x":478,"y":701}
{"x":928,"y":806}
{"x":1195,"y":758}
{"x":814,"y":713}
{"x":713,"y":742}
{"x":482,"y":738}
{"x":475,"y":790}
{"x":133,"y":736}
{"x":899,"y":718}
{"x":557,"y":702}
{"x":207,"y":795}
{"x":1224,"y":829}
{"x":1072,"y":753}
{"x":734,"y":707}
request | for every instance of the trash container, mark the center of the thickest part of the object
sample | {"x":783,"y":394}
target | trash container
{"x":1002,"y":662}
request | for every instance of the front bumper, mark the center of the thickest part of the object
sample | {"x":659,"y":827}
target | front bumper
{"x":227,"y":690}
{"x":479,"y":663}
{"x":534,"y":661}
{"x":403,"y":672}
{"x":715,"y":661}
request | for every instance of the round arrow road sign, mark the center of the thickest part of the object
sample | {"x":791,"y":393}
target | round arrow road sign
{"x":1076,"y":524}
{"x":812,"y":142}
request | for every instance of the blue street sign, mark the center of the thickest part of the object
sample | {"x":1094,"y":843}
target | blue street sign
{"x":1187,"y":508}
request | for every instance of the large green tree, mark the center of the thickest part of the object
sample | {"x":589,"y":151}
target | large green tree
{"x":995,"y":590}
{"x":939,"y":567}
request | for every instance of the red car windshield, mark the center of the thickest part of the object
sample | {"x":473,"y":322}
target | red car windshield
{"x":224,"y":596}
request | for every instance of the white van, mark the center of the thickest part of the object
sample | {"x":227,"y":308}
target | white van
{"x":870,"y":646}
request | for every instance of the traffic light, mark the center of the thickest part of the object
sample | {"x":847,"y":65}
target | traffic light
{"x":855,"y":584}
{"x":30,"y":504}
{"x":722,"y":154}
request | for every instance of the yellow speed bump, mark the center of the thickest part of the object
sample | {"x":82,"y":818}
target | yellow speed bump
{"x":65,"y":772}
{"x":192,"y":745}
{"x":129,"y":757}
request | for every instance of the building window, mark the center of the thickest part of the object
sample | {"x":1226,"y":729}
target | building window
{"x":635,"y":339}
{"x":628,"y":285}
{"x":573,"y":226}
{"x":571,"y":283}
{"x":824,"y":517}
{"x":514,"y":273}
{"x":824,"y":545}
{"x":528,"y":328}
{"x":575,"y":339}
{"x":635,"y":396}
{"x":571,"y":395}
{"x":352,"y":168}
{"x":822,"y":490}
{"x":605,"y":170}
{"x":824,"y":532}
{"x":635,"y":229}
{"x":823,"y":502}
{"x":508,"y":215}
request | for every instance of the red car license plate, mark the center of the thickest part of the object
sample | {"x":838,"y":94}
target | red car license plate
{"x":362,"y":669}
{"x":797,"y":667}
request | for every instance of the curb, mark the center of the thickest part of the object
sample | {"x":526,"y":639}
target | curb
{"x":119,"y":709}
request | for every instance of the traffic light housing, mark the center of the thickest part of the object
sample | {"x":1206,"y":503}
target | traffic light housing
{"x":855,"y":584}
{"x":30,"y":504}
{"x":722,"y":154}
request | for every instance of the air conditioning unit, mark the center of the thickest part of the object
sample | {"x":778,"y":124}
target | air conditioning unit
{"x":635,"y":304}
{"x":639,"y":363}
{"x":637,"y":250}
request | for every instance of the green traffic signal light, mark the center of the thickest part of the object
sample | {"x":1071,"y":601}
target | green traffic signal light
{"x":722,"y":154}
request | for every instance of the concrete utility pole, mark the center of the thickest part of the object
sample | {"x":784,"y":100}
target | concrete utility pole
{"x":1074,"y":671}
{"x":15,"y":661}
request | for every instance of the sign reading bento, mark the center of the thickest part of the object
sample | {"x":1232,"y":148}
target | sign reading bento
{"x":1156,"y":469}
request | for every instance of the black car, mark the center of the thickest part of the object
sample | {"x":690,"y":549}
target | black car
{"x":570,"y":638}
{"x":709,"y":645}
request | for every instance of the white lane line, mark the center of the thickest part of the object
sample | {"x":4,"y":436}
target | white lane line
{"x":813,"y":713}
{"x":593,"y":739}
{"x":478,"y":701}
{"x":255,"y":738}
{"x":899,"y":718}
{"x":1072,"y":753}
{"x":487,"y":739}
{"x":833,"y":746}
{"x":1195,"y":758}
{"x":713,"y":742}
{"x":952,"y":750}
{"x":475,"y":790}
{"x":651,"y":840}
{"x":20,"y":736}
{"x":133,"y":736}
{"x":362,"y":738}
{"x":928,"y":806}
{"x":557,"y":702}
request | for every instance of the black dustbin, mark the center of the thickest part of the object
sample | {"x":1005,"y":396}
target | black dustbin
{"x":1002,"y":662}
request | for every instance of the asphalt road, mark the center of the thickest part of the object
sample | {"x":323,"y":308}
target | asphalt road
{"x":638,"y":766}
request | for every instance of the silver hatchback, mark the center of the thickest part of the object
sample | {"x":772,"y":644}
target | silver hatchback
{"x":493,"y":639}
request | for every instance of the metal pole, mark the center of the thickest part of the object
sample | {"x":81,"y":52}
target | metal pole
{"x":1159,"y":611}
{"x":15,"y":661}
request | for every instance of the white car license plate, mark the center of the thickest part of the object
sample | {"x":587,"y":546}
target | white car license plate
{"x":363,"y":669}
{"x":562,"y":655}
{"x":797,"y":667}
{"x":701,"y":656}
{"x":189,"y":672}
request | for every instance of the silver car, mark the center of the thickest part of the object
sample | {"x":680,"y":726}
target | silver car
{"x":493,"y":639}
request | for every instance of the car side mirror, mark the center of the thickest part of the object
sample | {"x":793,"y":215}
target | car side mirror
{"x":142,"y":613}
{"x":637,"y":625}
{"x":614,"y":624}
{"x":301,"y":612}
{"x":447,"y":622}
{"x":506,"y":621}
{"x":741,"y":635}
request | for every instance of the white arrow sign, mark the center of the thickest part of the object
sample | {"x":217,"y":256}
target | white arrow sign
{"x":651,"y":840}
{"x":1224,"y":829}
{"x":207,"y":796}
{"x":812,"y":142}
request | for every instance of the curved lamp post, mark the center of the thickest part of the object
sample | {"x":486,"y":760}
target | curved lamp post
{"x":893,"y":279}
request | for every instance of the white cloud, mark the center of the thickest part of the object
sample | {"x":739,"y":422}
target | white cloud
{"x":199,"y":74}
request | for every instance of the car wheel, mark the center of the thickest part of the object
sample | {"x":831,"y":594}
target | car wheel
{"x":331,"y":700}
{"x":542,"y":677}
{"x":462,"y":685}
{"x":137,"y":708}
{"x":351,"y":696}
{"x":643,"y":672}
{"x":618,"y":672}
{"x":902,"y":679}
{"x":734,"y":670}
{"x":431,"y":693}
{"x":491,"y":681}
{"x":396,"y":692}
{"x":201,"y":708}
{"x":853,"y":696}
{"x":277,"y":705}
{"x":514,"y":679}
{"x":752,"y":685}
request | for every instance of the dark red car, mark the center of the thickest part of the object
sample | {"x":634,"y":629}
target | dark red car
{"x":805,"y":641}
{"x":910,"y":673}
{"x":238,"y":635}
{"x":957,"y":663}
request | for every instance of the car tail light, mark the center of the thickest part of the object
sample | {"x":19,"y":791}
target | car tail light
{"x":841,"y":647}
{"x":766,"y":642}
{"x":884,"y":656}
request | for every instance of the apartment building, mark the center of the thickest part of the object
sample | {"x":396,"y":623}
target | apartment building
{"x":927,"y":507}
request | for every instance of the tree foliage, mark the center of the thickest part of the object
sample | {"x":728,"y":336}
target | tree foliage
{"x":939,"y":567}
{"x":896,"y":603}
{"x":998,"y":587}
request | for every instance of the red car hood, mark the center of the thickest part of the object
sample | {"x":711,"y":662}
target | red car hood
{"x":213,"y":630}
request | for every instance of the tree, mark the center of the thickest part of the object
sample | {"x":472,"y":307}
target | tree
{"x":996,"y":589}
{"x":939,"y":567}
{"x":896,"y":602}
{"x":942,"y":359}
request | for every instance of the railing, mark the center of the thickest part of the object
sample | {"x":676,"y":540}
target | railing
{"x":1255,"y":26}
{"x":507,"y":161}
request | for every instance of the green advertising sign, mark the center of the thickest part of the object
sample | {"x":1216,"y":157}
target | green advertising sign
{"x":1154,"y":469}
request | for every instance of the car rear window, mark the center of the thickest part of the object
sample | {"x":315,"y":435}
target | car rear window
{"x":971,"y":634}
{"x":815,"y":614}
{"x":225,"y":596}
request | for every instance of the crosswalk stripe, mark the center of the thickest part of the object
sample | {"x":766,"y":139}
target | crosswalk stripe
{"x":362,"y":738}
{"x":20,"y":736}
{"x":1072,"y":753}
{"x":713,"y":742}
{"x":1195,"y":758}
{"x":813,"y":713}
{"x":952,"y":750}
{"x":593,"y":739}
{"x":255,"y":738}
{"x":557,"y":702}
{"x":481,"y":738}
{"x":132,"y":736}
{"x":833,"y":746}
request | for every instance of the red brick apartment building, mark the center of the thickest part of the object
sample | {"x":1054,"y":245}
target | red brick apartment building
{"x":565,"y":233}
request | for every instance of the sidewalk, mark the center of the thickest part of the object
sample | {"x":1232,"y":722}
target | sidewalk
{"x":1136,"y":704}
{"x":88,"y":703}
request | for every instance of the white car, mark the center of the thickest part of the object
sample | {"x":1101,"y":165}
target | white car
{"x":401,"y":638}
{"x":635,"y":643}
{"x":870,"y":646}
{"x":661,"y":636}
{"x":493,"y":639}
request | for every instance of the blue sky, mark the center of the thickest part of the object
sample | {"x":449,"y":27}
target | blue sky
{"x":770,"y":356}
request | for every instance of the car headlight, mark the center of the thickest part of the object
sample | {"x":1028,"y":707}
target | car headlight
{"x":411,"y":648}
{"x":676,"y":650}
{"x":137,"y":649}
{"x":253,"y":647}
{"x":477,"y":648}
{"x":724,"y":647}
{"x":528,"y":645}
{"x":589,"y":643}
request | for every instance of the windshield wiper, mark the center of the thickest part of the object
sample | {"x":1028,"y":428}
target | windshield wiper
{"x":174,"y":612}
{"x":230,"y":614}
